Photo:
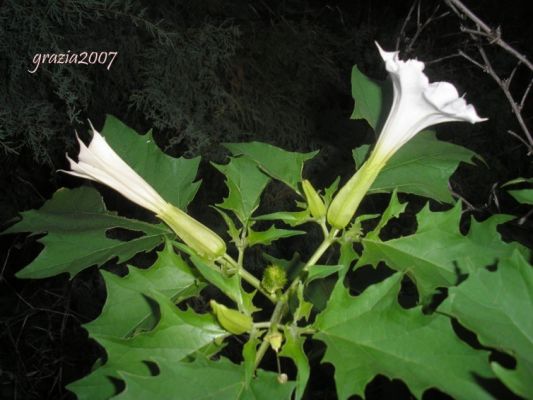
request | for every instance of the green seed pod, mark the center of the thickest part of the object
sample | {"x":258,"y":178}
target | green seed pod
{"x":231,"y":320}
{"x":274,"y":278}
{"x":195,"y":235}
{"x":314,"y":201}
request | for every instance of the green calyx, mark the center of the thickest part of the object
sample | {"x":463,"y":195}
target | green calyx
{"x":193,"y":233}
{"x":314,"y":201}
{"x":345,"y":204}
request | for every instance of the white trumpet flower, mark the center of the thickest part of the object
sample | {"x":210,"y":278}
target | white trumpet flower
{"x":417,"y":104}
{"x":99,"y":162}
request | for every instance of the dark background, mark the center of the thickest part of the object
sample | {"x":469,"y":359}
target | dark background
{"x":201,"y":73}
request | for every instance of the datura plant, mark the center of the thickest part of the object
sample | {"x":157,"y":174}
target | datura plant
{"x":267,"y":320}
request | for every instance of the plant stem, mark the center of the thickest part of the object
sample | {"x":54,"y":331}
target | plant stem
{"x":328,"y":240}
{"x":248,"y":277}
{"x":279,"y":310}
{"x":259,"y":325}
{"x":274,"y":321}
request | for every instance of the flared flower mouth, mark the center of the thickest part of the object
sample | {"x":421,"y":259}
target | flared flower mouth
{"x":99,"y":162}
{"x":417,"y":103}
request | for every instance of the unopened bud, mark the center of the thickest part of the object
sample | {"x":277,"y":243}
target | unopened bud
{"x":314,"y":201}
{"x":275,"y":339}
{"x":231,"y":320}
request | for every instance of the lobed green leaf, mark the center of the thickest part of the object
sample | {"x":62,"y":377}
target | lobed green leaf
{"x":438,"y":252}
{"x":245,"y":184}
{"x":202,"y":380}
{"x":498,"y":307}
{"x":173,"y":178}
{"x":76,"y":222}
{"x":372,"y":334}
{"x":285,"y":166}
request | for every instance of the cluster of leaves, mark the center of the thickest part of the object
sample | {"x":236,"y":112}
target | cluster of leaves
{"x":159,"y":350}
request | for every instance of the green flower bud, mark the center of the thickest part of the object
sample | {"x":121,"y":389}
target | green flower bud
{"x":345,"y":204}
{"x":195,"y":235}
{"x":274,"y":339}
{"x":231,"y":320}
{"x":314,"y":201}
{"x":274,"y":278}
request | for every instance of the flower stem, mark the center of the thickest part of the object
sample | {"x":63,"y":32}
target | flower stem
{"x":277,"y":315}
{"x":248,"y":277}
{"x":279,"y":309}
{"x":328,"y":241}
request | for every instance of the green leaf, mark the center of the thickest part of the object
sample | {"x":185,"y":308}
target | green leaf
{"x":330,"y":191}
{"x":245,"y":184}
{"x":203,"y":380}
{"x":498,"y":307}
{"x":437,"y":251}
{"x":347,"y":257}
{"x":229,"y":285}
{"x":372,"y":334}
{"x":293,"y":348}
{"x":280,"y":164}
{"x":300,"y":309}
{"x":76,"y":222}
{"x":393,"y":210}
{"x":423,"y":166}
{"x":177,"y":335}
{"x":518,"y":379}
{"x":319,"y":291}
{"x":292,"y":218}
{"x":368,"y":96}
{"x":173,"y":178}
{"x":322,"y":271}
{"x":233,"y":231}
{"x":249,"y":352}
{"x":360,"y":154}
{"x":126,"y":309}
{"x":524,"y":196}
{"x":270,"y":235}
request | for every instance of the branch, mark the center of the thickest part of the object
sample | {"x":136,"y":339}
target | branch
{"x":493,"y":35}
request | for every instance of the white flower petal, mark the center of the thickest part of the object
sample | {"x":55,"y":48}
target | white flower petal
{"x":99,"y":162}
{"x":417,"y":104}
{"x":440,"y":94}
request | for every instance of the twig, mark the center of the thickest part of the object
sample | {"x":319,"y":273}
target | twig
{"x":510,"y":98}
{"x":494,"y":35}
{"x":526,"y":92}
{"x":420,"y":26}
